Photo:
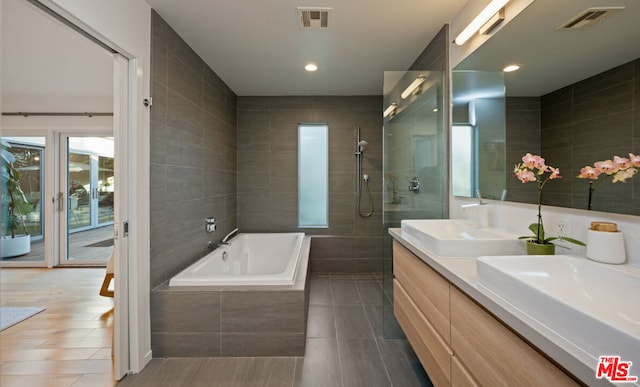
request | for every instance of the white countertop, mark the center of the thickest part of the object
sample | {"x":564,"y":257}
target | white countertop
{"x":462,"y":273}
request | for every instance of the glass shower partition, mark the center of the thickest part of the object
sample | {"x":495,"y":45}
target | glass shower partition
{"x":415,"y":161}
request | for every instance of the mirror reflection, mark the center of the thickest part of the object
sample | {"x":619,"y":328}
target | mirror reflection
{"x":575,"y":99}
{"x":478,"y":134}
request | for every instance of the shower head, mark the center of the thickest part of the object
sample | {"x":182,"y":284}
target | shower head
{"x":362,"y":144}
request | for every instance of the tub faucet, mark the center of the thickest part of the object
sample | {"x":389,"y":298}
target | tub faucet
{"x":224,"y":240}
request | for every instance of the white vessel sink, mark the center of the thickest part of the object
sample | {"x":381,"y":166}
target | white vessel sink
{"x":595,"y":306}
{"x":461,"y":238}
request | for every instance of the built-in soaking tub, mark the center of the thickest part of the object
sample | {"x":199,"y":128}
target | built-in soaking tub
{"x":248,"y":259}
{"x":249,"y":298}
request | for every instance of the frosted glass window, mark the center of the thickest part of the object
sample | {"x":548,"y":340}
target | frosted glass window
{"x":313,"y":175}
{"x":462,"y":161}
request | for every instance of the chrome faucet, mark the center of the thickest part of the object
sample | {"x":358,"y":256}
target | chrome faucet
{"x":224,"y":240}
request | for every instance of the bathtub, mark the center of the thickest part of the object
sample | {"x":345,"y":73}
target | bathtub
{"x":249,"y":259}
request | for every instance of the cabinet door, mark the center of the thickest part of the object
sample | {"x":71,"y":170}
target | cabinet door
{"x":427,"y":289}
{"x":493,"y":354}
{"x":433,"y":352}
{"x":460,"y":376}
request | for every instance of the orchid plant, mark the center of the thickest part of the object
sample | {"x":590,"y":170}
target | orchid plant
{"x":533,"y":168}
{"x":620,"y":169}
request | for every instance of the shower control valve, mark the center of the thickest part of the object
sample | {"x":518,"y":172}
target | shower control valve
{"x":210,"y":224}
{"x":414,"y":185}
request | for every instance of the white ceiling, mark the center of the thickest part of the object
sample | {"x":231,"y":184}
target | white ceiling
{"x":258,"y":47}
{"x":46,"y":66}
{"x":551,"y":59}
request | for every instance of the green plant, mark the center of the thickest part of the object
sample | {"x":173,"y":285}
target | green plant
{"x":539,"y":236}
{"x":533,"y":168}
{"x":14,"y":201}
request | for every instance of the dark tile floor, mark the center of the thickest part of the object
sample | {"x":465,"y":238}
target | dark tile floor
{"x":345,"y":347}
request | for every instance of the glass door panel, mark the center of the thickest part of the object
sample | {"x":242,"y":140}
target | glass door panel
{"x":27,"y":221}
{"x":89,"y":211}
{"x":78,"y":201}
{"x":105,"y":189}
{"x":414,"y":162}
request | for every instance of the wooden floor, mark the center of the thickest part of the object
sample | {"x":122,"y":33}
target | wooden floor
{"x":69,"y":344}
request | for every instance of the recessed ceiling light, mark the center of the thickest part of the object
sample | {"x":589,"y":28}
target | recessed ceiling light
{"x":510,"y":68}
{"x":311,"y":67}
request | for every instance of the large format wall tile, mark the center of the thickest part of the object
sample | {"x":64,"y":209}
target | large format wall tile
{"x":193,"y":154}
{"x":268,"y":159}
{"x":591,"y":120}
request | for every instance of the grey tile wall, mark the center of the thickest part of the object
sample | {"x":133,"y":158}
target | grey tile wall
{"x":522,"y":127}
{"x":593,"y":120}
{"x":267,"y":133}
{"x":436,"y":55}
{"x":193,"y":154}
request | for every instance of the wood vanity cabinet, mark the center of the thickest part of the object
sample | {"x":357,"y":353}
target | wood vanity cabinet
{"x":457,"y":341}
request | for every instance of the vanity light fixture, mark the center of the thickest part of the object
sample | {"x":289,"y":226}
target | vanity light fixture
{"x":483,"y":17}
{"x":412,"y":87}
{"x":311,"y":67}
{"x":511,"y":68}
{"x":392,"y":108}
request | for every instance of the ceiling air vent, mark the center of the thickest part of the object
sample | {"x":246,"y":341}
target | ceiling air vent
{"x":312,"y":18}
{"x":589,"y":17}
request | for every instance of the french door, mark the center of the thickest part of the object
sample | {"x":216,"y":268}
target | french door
{"x":86,"y":199}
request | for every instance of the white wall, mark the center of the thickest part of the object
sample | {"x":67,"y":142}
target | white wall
{"x":126,"y":26}
{"x":516,"y":217}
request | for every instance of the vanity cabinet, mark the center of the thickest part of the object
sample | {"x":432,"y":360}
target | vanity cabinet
{"x":457,"y":341}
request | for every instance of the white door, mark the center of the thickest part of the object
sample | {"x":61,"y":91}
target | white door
{"x":121,"y":344}
{"x":87,"y":200}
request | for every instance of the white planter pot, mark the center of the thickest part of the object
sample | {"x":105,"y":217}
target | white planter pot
{"x":13,"y":247}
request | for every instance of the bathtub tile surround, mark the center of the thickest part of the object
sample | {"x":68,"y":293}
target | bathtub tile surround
{"x":193,"y":154}
{"x":211,"y":322}
{"x":241,"y":320}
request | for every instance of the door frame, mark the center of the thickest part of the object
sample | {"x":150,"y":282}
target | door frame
{"x":125,"y":26}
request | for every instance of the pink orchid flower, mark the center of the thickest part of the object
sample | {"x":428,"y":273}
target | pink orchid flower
{"x":634,"y":160}
{"x":624,"y":174}
{"x":607,"y":166}
{"x":622,"y":162}
{"x":532,"y":161}
{"x":555,"y":173}
{"x":589,"y":173}
{"x":525,"y":176}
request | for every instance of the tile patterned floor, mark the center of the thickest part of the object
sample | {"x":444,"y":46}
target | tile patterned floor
{"x":345,"y":348}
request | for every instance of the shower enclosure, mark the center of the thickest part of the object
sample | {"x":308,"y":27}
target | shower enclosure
{"x":415,"y":160}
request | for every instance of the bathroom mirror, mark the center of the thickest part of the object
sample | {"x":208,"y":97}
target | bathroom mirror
{"x":574,"y":100}
{"x":478,"y":134}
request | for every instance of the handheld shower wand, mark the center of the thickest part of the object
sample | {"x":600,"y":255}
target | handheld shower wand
{"x":361,"y":144}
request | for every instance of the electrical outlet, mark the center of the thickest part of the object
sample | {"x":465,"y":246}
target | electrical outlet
{"x":562,"y":228}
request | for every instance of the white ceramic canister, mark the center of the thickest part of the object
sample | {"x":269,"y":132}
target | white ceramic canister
{"x":605,"y":243}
